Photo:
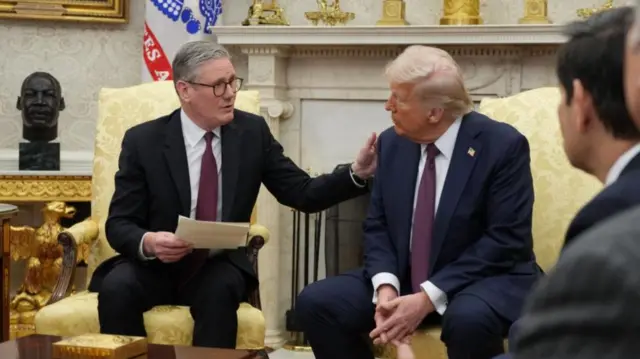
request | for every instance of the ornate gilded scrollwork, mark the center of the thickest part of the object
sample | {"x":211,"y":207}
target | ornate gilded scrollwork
{"x":329,"y":14}
{"x":587,"y":12}
{"x":43,"y":255}
{"x":265,"y":14}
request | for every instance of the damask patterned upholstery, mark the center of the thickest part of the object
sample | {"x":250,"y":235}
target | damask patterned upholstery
{"x":560,"y":190}
{"x":120,"y":109}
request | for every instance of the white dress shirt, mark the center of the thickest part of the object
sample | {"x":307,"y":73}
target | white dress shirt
{"x":620,"y":164}
{"x":445,"y":144}
{"x":194,"y":143}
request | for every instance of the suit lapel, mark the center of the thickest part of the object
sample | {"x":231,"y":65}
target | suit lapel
{"x":231,"y":140}
{"x":465,"y":154}
{"x":175,"y":154}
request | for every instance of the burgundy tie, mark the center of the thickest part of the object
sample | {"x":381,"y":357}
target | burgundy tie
{"x":423,"y":219}
{"x":207,"y":205}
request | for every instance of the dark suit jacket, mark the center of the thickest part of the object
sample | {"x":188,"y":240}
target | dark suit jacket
{"x":482,"y":242}
{"x":152,"y":183}
{"x":622,"y":194}
{"x":617,"y":197}
{"x":587,"y":306}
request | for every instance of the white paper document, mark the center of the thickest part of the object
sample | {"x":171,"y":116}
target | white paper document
{"x":212,"y":235}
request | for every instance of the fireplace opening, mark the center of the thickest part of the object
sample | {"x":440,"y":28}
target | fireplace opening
{"x":344,"y":235}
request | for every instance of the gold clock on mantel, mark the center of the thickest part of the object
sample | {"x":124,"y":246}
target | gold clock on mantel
{"x":535,"y":12}
{"x":393,"y":12}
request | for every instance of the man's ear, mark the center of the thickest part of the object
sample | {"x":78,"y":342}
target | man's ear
{"x":181,"y":90}
{"x":19,"y":104}
{"x":582,"y":106}
{"x":62,"y":105}
{"x":435,"y":115}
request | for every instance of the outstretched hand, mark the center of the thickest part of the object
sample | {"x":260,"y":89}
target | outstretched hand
{"x":367,"y":160}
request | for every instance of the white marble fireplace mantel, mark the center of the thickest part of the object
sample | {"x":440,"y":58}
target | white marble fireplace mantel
{"x":390,"y":35}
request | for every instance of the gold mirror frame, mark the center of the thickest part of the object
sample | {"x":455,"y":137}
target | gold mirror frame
{"x":96,"y":11}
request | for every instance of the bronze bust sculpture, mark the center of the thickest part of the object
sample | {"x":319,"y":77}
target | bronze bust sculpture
{"x":40,"y":102}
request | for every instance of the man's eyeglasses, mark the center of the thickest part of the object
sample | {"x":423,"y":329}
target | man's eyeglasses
{"x":220,"y":88}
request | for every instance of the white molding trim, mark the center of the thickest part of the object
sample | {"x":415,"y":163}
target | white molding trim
{"x":70,"y":162}
{"x":391,"y":35}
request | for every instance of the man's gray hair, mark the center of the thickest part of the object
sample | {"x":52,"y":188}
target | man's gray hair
{"x":191,"y":55}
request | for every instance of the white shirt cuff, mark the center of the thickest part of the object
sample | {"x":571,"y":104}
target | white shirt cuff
{"x":355,"y":181}
{"x":382,"y":279}
{"x":141,"y":250}
{"x":438,"y":297}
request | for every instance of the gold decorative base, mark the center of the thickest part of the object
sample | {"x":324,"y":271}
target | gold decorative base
{"x":21,"y":330}
{"x":21,"y":324}
{"x":296,"y":343}
{"x":330,"y":19}
{"x":476,"y":20}
{"x":532,"y":20}
{"x":393,"y":13}
{"x":292,"y":346}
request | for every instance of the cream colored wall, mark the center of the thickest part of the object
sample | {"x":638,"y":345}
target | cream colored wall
{"x":86,"y":58}
{"x":83,"y":57}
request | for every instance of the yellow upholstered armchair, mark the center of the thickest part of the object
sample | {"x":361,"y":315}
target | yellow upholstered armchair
{"x":560,"y":190}
{"x":66,"y":315}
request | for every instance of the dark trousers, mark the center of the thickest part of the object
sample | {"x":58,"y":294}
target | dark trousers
{"x":336,"y":312}
{"x":213,"y":295}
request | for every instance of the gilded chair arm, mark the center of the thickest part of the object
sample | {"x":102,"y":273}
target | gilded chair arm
{"x":80,"y":234}
{"x":257,"y":238}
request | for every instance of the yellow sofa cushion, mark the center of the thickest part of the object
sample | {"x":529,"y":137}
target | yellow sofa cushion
{"x":78,"y":314}
{"x":560,"y":190}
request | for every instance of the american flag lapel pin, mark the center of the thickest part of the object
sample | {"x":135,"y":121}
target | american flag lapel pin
{"x":471,"y":152}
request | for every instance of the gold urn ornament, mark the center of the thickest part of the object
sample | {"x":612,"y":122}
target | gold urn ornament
{"x":461,"y":12}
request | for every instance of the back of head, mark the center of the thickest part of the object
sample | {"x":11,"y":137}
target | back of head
{"x":438,"y":78}
{"x":594,"y":55}
{"x":632,"y":67}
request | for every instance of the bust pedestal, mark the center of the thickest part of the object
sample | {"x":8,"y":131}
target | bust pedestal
{"x":39,"y":156}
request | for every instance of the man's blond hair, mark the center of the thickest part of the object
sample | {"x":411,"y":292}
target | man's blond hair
{"x":437,"y":76}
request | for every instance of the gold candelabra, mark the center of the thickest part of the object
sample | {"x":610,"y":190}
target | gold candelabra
{"x":461,"y":12}
{"x":587,"y":12}
{"x":392,"y":13}
{"x":261,"y":13}
{"x":329,"y":14}
{"x":535,"y":12}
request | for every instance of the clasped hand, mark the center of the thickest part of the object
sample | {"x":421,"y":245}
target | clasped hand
{"x":398,"y":317}
{"x":166,"y":246}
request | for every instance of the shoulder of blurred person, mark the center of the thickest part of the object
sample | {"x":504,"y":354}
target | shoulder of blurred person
{"x":586,"y":307}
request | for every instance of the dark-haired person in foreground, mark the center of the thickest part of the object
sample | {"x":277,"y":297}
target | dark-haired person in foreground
{"x":600,"y":137}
